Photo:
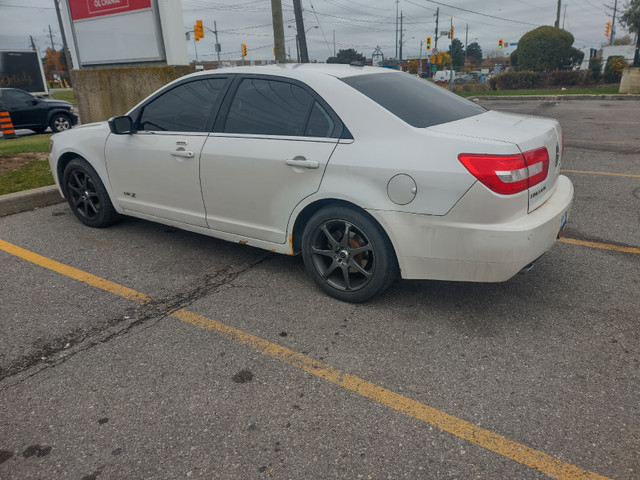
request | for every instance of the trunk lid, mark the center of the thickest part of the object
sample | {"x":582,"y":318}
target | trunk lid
{"x":527,"y":133}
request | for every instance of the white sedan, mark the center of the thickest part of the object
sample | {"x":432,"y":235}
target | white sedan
{"x":369,"y":173}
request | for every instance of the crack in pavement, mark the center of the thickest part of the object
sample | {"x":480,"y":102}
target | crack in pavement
{"x":61,"y":349}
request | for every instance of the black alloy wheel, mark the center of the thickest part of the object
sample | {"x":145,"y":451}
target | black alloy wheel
{"x":87,"y":196}
{"x":348,"y":254}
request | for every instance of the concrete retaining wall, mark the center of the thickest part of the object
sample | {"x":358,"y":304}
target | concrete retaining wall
{"x":630,"y":82}
{"x":106,"y":92}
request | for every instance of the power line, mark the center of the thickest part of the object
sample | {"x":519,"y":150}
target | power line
{"x":481,"y":14}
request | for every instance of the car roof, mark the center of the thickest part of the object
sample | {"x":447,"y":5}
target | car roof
{"x":301,"y":69}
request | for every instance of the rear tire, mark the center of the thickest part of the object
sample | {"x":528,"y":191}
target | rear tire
{"x":348,"y":255}
{"x":87,"y":196}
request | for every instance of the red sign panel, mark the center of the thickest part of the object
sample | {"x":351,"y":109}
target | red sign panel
{"x":81,"y":9}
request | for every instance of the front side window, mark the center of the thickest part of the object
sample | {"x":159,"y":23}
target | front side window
{"x":16,"y":98}
{"x":269,"y":107}
{"x":185,"y":108}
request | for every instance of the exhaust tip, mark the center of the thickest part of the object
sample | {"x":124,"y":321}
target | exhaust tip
{"x":527,"y":268}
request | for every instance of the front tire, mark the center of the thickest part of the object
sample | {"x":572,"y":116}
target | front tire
{"x":348,"y":254}
{"x":60,"y":122}
{"x":87,"y":196}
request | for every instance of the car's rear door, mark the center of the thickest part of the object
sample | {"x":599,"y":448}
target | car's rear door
{"x":268,"y":152}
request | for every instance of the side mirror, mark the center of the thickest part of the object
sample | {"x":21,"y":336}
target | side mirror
{"x":121,"y":125}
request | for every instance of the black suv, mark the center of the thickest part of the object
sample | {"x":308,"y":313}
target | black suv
{"x":27,"y":111}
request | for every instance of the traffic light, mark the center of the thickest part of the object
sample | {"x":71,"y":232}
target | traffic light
{"x":274,"y":50}
{"x":451,"y":32}
{"x":198,"y":30}
{"x":428,"y":43}
{"x":608,"y":29}
{"x":500,"y":43}
{"x":244,"y":49}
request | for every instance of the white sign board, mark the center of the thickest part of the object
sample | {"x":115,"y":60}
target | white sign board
{"x":107,"y":32}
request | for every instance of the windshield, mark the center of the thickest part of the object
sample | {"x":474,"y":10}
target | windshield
{"x":418,"y":102}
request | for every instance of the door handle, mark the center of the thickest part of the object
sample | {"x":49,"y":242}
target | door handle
{"x":302,"y":163}
{"x":183,"y":153}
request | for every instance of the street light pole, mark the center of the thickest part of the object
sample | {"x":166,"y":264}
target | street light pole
{"x":298,"y":39}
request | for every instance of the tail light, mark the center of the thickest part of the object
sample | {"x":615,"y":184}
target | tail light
{"x":508,"y":174}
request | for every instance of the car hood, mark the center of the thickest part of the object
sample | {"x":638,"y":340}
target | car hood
{"x":56,"y":103}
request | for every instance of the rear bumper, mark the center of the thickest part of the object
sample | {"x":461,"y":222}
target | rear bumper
{"x":432,"y":247}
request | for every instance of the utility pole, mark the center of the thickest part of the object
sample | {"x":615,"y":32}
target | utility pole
{"x":334,"y":43}
{"x":613,"y":23}
{"x":397,"y":2}
{"x":557,"y":24}
{"x":436,"y":37}
{"x":215,"y":32}
{"x":420,"y":61}
{"x":278,"y":31}
{"x":302,"y":36}
{"x":51,"y":38}
{"x":466,"y":41}
{"x":400,"y":37}
{"x":451,"y":58}
{"x":33,"y":44}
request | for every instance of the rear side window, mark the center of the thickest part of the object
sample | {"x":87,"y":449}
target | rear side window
{"x":418,"y":102}
{"x":320,"y":123}
{"x":185,"y":108}
{"x":269,"y":107}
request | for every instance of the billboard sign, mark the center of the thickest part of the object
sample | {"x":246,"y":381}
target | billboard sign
{"x":93,"y":8}
{"x":22,"y":69}
{"x":109,"y":32}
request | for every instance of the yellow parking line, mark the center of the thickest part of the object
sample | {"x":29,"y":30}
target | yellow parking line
{"x":461,"y":428}
{"x":630,"y":175}
{"x":74,"y":273}
{"x":601,"y":246}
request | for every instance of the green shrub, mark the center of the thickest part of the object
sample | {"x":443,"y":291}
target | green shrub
{"x":595,"y":68}
{"x":613,"y":69}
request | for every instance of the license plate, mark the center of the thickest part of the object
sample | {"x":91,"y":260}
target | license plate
{"x":563,"y":223}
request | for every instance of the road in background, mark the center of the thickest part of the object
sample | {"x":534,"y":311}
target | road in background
{"x":97,"y":382}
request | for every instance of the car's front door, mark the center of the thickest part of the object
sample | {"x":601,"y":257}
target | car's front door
{"x":23,"y":108}
{"x":269,"y":154}
{"x":156,"y":171}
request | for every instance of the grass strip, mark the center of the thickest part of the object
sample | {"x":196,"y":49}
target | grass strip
{"x":543,"y":91}
{"x":30,"y":143}
{"x":33,"y":175}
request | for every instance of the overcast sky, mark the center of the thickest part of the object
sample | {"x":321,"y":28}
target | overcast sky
{"x":359,"y":24}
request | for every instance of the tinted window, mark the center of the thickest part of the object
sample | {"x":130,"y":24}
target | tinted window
{"x":185,"y":108}
{"x":320,"y":123}
{"x":418,"y":102}
{"x":268,"y":107}
{"x":16,"y":98}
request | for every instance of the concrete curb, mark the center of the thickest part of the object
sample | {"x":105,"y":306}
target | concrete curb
{"x":29,"y":200}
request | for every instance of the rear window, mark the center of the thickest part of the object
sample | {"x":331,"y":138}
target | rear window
{"x":418,"y":102}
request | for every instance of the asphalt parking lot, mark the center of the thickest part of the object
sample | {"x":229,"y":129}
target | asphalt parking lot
{"x":141,"y":351}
